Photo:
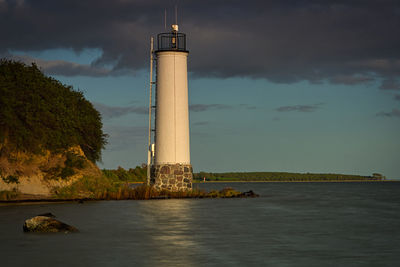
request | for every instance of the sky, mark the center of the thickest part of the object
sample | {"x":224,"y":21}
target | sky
{"x":292,"y":86}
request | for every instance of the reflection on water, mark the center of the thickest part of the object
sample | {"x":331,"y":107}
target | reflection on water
{"x":169,"y":224}
{"x":291,"y":224}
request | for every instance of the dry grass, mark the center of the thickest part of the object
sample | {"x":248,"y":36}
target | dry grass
{"x":8,"y":195}
{"x":143,"y":192}
{"x":104,"y":189}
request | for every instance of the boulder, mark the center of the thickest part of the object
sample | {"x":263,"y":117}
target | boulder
{"x":47,"y":214}
{"x":47,"y":224}
{"x":249,"y":194}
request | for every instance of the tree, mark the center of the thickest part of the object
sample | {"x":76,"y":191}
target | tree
{"x":38,"y":113}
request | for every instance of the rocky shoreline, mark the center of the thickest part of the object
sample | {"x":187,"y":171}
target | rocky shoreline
{"x":224,"y":193}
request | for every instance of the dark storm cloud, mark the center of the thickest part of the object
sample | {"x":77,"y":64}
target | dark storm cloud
{"x":300,"y":108}
{"x":61,"y":67}
{"x":394,"y":113}
{"x":108,"y":112}
{"x":348,"y":42}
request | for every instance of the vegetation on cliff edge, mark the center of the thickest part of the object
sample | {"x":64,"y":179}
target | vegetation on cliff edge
{"x":39,"y":113}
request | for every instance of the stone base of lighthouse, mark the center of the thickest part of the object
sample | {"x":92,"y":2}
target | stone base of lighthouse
{"x":172,"y":177}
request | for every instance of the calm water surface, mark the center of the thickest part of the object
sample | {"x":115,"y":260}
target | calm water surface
{"x":291,"y":224}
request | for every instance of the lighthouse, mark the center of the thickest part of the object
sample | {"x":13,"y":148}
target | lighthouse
{"x":171,"y":168}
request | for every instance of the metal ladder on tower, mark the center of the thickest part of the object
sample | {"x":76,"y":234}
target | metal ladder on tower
{"x":151,"y":145}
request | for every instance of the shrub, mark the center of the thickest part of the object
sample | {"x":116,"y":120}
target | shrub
{"x":67,"y":172}
{"x":74,"y":161}
{"x":11,"y":179}
{"x":138,"y":174}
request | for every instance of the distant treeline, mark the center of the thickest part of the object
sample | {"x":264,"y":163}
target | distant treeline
{"x":281,"y":176}
{"x":138,"y":174}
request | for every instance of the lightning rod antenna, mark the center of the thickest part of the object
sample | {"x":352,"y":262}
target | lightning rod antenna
{"x":176,"y":14}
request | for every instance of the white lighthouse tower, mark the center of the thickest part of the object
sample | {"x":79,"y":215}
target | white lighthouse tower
{"x":171,"y":168}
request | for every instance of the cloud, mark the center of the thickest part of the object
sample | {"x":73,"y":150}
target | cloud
{"x":65,"y":68}
{"x":340,"y":41}
{"x":394,"y":113}
{"x":205,"y":107}
{"x":59,"y":67}
{"x":390,"y":84}
{"x":108,"y":112}
{"x":247,"y":106}
{"x":299,"y":108}
{"x":350,"y":79}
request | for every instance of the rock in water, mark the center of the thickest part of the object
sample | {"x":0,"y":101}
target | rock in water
{"x":44,"y":224}
{"x":47,"y":214}
{"x":249,"y":194}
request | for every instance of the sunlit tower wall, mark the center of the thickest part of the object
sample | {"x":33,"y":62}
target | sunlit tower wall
{"x":172,"y":169}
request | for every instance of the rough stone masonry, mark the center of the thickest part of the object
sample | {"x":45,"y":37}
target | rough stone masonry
{"x":172,"y":177}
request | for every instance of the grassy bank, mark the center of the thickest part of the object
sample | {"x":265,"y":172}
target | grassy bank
{"x":106,"y":189}
{"x":103,"y":188}
{"x":117,"y":185}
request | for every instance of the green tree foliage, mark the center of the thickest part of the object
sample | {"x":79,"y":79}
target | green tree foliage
{"x":38,"y":112}
{"x":138,"y":174}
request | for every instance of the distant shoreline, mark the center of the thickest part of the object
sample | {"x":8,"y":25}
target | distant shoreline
{"x":277,"y":181}
{"x":27,"y":199}
{"x":304,"y":181}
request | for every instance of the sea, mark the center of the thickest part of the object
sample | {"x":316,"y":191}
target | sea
{"x":290,"y":224}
